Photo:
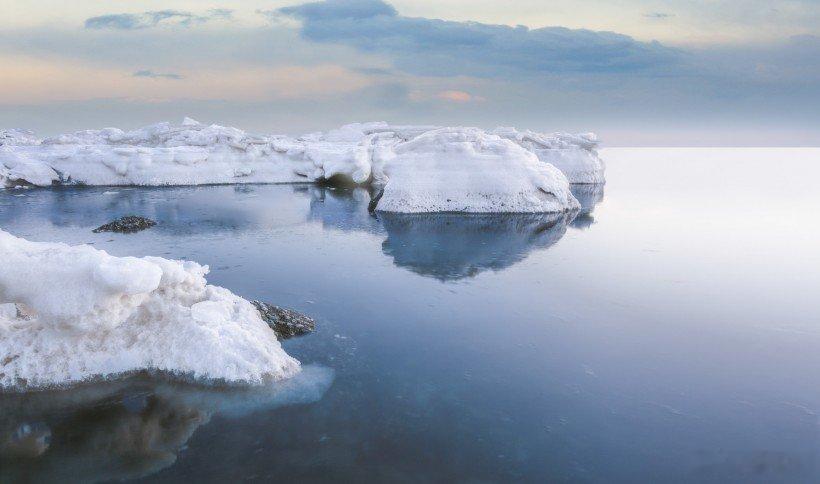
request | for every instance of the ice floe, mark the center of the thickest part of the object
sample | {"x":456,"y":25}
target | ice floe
{"x":420,"y":168}
{"x":72,"y":313}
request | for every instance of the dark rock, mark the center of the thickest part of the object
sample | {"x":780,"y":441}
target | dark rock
{"x":284,"y":322}
{"x":374,"y":200}
{"x":126,"y":225}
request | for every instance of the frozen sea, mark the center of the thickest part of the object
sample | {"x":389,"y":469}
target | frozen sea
{"x":669,"y":333}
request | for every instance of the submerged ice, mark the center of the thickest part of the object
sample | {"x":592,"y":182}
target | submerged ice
{"x":71,"y":313}
{"x":414,"y":168}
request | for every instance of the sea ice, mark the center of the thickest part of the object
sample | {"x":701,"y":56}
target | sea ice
{"x":468,"y":170}
{"x":421,"y":168}
{"x":80,"y":313}
{"x":575,"y":155}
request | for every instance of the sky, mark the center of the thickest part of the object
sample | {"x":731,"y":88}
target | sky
{"x":637,"y":72}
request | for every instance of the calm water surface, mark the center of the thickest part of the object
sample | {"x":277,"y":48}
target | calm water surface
{"x":669,"y":333}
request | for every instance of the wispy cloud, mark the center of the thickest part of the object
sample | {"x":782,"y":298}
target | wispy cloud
{"x":221,"y":13}
{"x":373,"y":71}
{"x":136,"y":21}
{"x":157,"y":75}
{"x":442,"y":48}
{"x":658,"y":15}
{"x":458,"y":96}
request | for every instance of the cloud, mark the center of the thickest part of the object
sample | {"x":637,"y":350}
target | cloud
{"x":443,"y":48}
{"x":658,"y":15}
{"x":373,"y":71}
{"x":406,"y":70}
{"x":221,"y":13}
{"x":137,"y":21}
{"x":457,"y":96}
{"x":341,"y":9}
{"x":157,"y":75}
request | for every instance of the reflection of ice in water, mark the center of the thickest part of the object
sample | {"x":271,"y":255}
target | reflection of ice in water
{"x":451,"y":246}
{"x":343,"y":209}
{"x":178,"y":210}
{"x":454,"y":246}
{"x":126,"y":429}
{"x":466,"y":245}
{"x":589,"y":196}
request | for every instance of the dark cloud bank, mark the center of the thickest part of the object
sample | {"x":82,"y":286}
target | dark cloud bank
{"x":442,"y":48}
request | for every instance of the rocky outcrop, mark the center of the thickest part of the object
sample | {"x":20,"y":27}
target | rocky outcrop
{"x":285,"y":323}
{"x":126,"y":225}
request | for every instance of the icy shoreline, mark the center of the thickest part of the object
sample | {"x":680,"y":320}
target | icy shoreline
{"x":419,"y":168}
{"x":75,"y":313}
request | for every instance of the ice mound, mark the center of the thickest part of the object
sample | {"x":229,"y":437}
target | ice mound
{"x":71,"y":313}
{"x":452,"y":160}
{"x":468,"y":170}
{"x":575,"y":155}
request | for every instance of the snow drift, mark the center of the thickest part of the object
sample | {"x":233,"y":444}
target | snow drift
{"x":71,"y":313}
{"x":464,"y":169}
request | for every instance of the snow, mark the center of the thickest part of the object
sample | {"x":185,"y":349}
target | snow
{"x":468,"y":170}
{"x":575,"y":155}
{"x":445,"y":166}
{"x":18,"y":137}
{"x":79,"y":313}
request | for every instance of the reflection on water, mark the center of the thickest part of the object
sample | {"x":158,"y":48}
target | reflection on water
{"x":588,"y":196}
{"x":452,"y":246}
{"x":126,"y":429}
{"x":137,"y":427}
{"x":180,"y":210}
{"x":444,"y":246}
{"x":673,"y":341}
{"x":343,"y":209}
{"x":455,"y":246}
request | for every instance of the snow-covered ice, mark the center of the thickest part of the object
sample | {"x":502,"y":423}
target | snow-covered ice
{"x":468,"y":170}
{"x":421,"y":168}
{"x":575,"y":155}
{"x":71,"y":313}
{"x":18,"y":137}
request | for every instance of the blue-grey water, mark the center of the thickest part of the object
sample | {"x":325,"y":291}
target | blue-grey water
{"x":668,"y":333}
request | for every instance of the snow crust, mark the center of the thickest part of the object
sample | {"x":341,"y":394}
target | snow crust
{"x":425,"y":168}
{"x":71,"y":313}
